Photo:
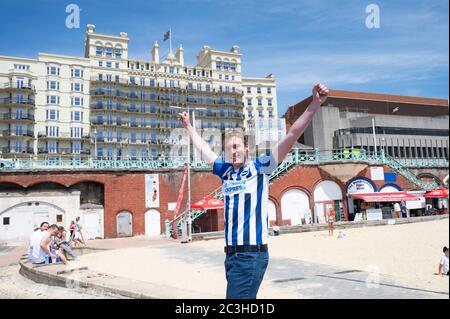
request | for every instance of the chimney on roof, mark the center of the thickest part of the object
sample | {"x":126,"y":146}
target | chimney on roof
{"x":90,"y":28}
{"x":235,"y":49}
{"x":179,"y":55}
{"x":155,"y":52}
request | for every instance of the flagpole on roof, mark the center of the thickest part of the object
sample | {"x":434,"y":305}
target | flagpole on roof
{"x":170,"y":39}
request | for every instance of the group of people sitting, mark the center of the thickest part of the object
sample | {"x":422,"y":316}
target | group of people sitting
{"x":53,"y":243}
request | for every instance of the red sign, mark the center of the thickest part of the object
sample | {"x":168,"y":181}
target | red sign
{"x":385,"y":197}
{"x":437,"y":193}
{"x":209,"y":202}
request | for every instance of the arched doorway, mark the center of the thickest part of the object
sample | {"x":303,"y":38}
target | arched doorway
{"x":327,"y":196}
{"x":294,"y":205}
{"x":272,"y":208}
{"x":124,"y":224}
{"x":152,"y":223}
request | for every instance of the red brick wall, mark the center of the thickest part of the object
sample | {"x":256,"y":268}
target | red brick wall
{"x":126,"y":191}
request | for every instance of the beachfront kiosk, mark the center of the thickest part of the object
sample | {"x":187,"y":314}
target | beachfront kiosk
{"x":364,"y":202}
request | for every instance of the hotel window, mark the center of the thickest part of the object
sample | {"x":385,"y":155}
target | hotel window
{"x":99,"y":51}
{"x":269,"y":90}
{"x":220,"y":76}
{"x":118,"y":53}
{"x":233,"y":78}
{"x":249,"y":102}
{"x":76,"y":87}
{"x":75,"y":131}
{"x":208,"y":88}
{"x":52,"y":99}
{"x":250,"y":114}
{"x":270,"y":113}
{"x":77,"y":73}
{"x":77,"y":101}
{"x":76,"y":116}
{"x":75,"y":148}
{"x":218,"y":65}
{"x":199,"y":86}
{"x":133,"y":154}
{"x":190,"y":86}
{"x":108,"y":52}
{"x":52,"y":115}
{"x":227,"y":77}
{"x":249,"y":90}
{"x":269,"y":102}
{"x":108,"y":64}
{"x":117,"y":65}
{"x":52,"y":131}
{"x":258,"y":90}
{"x":259,"y":102}
{"x":260,"y":113}
{"x":53,"y":70}
{"x":226,"y":66}
{"x":233,"y":66}
{"x":100,"y":63}
{"x":52,"y":85}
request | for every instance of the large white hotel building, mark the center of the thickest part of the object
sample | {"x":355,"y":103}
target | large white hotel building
{"x":108,"y":105}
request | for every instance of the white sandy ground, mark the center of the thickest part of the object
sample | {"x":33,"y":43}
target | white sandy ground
{"x":15,"y":286}
{"x":409,"y":253}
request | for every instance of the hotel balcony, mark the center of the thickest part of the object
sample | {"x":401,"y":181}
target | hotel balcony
{"x":21,"y":134}
{"x":17,"y":117}
{"x":13,"y":150}
{"x":64,"y":151}
{"x":17,"y":87}
{"x":25,"y":102}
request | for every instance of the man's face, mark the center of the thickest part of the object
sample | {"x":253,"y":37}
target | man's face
{"x":44,"y":227}
{"x":236,"y":151}
{"x":446,"y":253}
{"x":54,"y":231}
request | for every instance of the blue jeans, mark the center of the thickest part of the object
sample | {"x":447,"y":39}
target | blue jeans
{"x":245,"y":272}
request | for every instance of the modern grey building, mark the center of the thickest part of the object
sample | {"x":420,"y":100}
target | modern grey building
{"x":405,"y":127}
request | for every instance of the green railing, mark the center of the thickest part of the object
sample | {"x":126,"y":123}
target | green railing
{"x":91,"y":164}
{"x":296,"y":157}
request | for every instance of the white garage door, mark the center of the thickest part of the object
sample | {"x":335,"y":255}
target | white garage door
{"x":18,"y":222}
{"x":272,"y":212}
{"x":152,"y":223}
{"x":294,"y":204}
{"x":124,"y":224}
{"x":92,"y":225}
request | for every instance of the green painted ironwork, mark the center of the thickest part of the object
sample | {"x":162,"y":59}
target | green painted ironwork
{"x":318,"y":157}
{"x":296,"y":157}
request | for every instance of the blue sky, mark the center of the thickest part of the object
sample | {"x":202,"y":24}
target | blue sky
{"x":300,"y":42}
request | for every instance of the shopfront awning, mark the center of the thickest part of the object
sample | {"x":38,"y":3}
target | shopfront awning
{"x":385,"y":197}
{"x":437,"y":193}
{"x":209,"y":202}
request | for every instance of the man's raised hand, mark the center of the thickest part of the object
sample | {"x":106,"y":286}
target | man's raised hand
{"x":320,"y":94}
{"x":184,"y":118}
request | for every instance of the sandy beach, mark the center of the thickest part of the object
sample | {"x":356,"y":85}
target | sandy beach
{"x":407,"y":253}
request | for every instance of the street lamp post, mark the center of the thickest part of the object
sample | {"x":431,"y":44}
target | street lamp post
{"x":95,"y":143}
{"x":188,"y":218}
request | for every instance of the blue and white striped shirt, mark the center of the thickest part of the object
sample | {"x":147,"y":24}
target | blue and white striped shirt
{"x":246,"y":196}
